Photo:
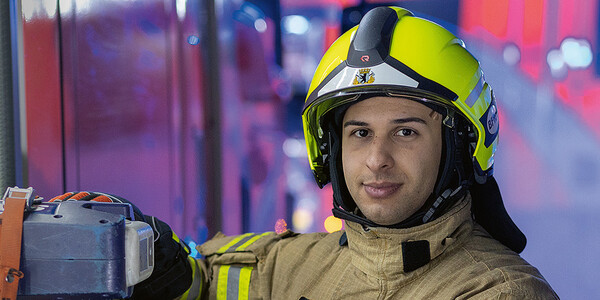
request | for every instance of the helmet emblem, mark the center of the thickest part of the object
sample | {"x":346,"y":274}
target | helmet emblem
{"x":492,"y":120}
{"x":489,"y":120}
{"x":363,"y":76}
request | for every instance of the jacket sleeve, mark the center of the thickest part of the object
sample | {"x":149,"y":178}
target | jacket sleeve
{"x":230,"y":266}
{"x":195,"y":291}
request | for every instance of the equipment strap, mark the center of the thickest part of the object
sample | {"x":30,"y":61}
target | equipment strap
{"x":11,"y":228}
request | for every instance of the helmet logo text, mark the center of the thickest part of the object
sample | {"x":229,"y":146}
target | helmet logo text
{"x":492,"y":120}
{"x":365,"y":58}
{"x":489,"y":120}
{"x":363,"y":76}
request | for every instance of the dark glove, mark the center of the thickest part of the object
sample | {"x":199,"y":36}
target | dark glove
{"x":172,"y":274}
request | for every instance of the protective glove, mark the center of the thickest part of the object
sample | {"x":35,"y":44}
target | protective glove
{"x":172,"y":274}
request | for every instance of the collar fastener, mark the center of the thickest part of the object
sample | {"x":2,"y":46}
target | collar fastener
{"x":415,"y":254}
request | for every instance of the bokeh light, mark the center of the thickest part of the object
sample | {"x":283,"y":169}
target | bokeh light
{"x":573,"y":53}
{"x":192,"y":245}
{"x":294,"y":147}
{"x":333,"y":224}
{"x":511,"y":54}
{"x":280,"y":226}
{"x":296,"y":24}
{"x":302,"y":219}
{"x":180,"y":8}
{"x":577,"y":53}
{"x":193,"y":40}
{"x":260,"y":25}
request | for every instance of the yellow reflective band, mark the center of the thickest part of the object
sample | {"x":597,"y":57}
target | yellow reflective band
{"x":233,"y":242}
{"x":195,"y":290}
{"x":233,"y":283}
{"x":245,"y":273}
{"x":250,"y":241}
{"x":175,"y":237}
{"x":222,"y":282}
{"x":183,"y":244}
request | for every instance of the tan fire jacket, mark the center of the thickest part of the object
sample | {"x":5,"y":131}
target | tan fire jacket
{"x":449,"y":258}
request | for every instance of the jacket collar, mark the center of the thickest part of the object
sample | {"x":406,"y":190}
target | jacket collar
{"x":384,"y":252}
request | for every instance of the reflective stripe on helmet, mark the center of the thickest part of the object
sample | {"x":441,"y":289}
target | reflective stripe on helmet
{"x":474,"y":95}
{"x":380,"y":74}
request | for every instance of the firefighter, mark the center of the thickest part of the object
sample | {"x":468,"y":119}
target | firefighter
{"x":400,"y":120}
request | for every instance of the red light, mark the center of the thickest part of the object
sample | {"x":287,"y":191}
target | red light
{"x":495,"y":17}
{"x":533,"y":22}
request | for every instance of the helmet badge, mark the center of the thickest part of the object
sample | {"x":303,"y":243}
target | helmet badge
{"x":490,"y":123}
{"x":363,"y":76}
{"x":492,"y":120}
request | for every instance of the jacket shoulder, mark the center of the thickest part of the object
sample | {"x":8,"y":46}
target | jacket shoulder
{"x":503,"y":274}
{"x":269,"y":247}
{"x":254,"y":244}
{"x":231,"y":263}
{"x":259,"y":265}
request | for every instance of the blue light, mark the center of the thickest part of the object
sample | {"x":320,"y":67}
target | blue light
{"x":577,"y":53}
{"x":192,"y":245}
{"x":193,"y":40}
{"x":260,"y":25}
{"x":511,"y":54}
{"x":555,"y":60}
{"x":296,"y":24}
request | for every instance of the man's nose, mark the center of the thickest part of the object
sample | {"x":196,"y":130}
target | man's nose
{"x":379,"y":154}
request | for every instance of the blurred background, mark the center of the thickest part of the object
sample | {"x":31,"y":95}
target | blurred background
{"x":191,"y":109}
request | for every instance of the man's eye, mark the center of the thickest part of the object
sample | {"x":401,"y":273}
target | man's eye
{"x":361,"y":133}
{"x":405,"y":132}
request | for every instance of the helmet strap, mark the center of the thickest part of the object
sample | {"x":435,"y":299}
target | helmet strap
{"x":341,"y":195}
{"x":453,"y":182}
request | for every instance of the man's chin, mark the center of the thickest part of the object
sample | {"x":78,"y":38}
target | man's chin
{"x":384,"y":219}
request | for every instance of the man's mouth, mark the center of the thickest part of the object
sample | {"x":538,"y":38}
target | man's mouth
{"x":381,"y":189}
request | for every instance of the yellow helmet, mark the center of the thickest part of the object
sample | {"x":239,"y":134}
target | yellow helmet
{"x":394,"y":53}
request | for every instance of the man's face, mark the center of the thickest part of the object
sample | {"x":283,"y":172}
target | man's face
{"x":391,"y":151}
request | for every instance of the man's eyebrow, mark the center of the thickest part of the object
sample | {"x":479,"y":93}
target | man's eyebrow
{"x":408,"y":120}
{"x":355,"y":123}
{"x":395,"y":121}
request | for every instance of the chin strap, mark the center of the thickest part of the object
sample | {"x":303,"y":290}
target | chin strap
{"x":439,"y":206}
{"x":443,"y":201}
{"x":454,"y":181}
{"x":414,"y":220}
{"x":340,"y":213}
